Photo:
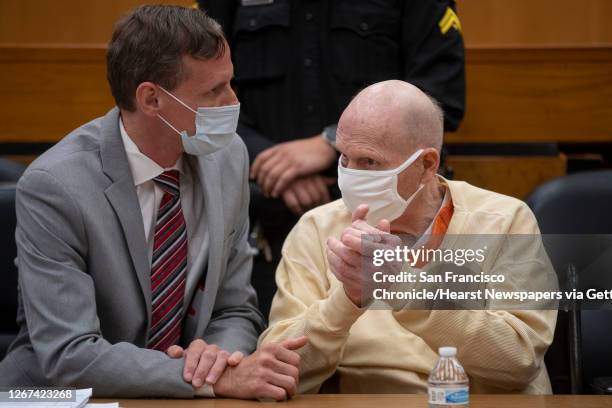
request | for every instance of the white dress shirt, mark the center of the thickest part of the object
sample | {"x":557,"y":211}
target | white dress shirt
{"x":144,"y":170}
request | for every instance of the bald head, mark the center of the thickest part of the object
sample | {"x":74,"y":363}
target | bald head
{"x":394,"y":115}
{"x":385,"y":125}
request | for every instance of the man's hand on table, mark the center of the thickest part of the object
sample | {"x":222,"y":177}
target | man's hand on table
{"x":204,"y":363}
{"x":276,"y":167}
{"x":271,"y":372}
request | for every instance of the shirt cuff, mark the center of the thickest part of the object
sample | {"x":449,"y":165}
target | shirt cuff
{"x":339,"y":312}
{"x":205,"y":391}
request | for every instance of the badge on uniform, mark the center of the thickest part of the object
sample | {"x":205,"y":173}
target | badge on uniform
{"x":448,"y":21}
{"x":247,"y":3}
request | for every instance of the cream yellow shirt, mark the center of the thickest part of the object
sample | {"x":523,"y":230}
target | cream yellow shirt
{"x":380,"y":351}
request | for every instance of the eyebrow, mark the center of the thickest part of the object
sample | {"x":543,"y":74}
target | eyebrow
{"x":219,"y":83}
{"x":365,"y":156}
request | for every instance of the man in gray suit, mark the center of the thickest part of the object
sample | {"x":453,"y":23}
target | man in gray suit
{"x":134,"y":265}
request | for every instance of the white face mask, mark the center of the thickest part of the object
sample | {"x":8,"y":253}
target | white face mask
{"x":377,"y":189}
{"x":215,"y":128}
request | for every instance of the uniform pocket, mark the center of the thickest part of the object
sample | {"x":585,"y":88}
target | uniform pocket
{"x":365,"y":42}
{"x":261,"y":41}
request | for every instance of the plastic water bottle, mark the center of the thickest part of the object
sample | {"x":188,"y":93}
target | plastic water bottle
{"x":448,"y":384}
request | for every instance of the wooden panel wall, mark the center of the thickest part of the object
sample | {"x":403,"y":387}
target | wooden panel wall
{"x":537,"y":94}
{"x":537,"y":70}
{"x":535,"y":22}
{"x":515,"y":95}
{"x":48,"y":91}
{"x":65,"y":21}
{"x":485,"y":22}
{"x":515,"y":176}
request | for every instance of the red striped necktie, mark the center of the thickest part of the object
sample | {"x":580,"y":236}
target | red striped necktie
{"x":168,"y":265}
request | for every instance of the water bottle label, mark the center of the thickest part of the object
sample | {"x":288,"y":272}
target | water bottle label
{"x":449,"y":396}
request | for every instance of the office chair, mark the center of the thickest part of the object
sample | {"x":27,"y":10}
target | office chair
{"x":10,"y":171}
{"x":8,"y":277}
{"x":580,"y":357}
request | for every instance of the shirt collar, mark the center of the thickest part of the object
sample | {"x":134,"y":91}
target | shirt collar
{"x":142,"y":167}
{"x":446,"y":201}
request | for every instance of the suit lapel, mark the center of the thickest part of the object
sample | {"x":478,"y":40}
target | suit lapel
{"x":122,"y":196}
{"x":211,"y":187}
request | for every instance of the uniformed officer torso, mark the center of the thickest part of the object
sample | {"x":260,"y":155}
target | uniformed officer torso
{"x":298,"y":63}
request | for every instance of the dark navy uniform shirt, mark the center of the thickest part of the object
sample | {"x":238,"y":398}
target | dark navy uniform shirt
{"x":298,"y":63}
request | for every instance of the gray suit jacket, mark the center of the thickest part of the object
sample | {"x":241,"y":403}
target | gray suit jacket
{"x":84,"y":275}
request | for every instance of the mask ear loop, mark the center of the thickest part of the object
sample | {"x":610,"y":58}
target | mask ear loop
{"x":384,"y":173}
{"x":177,"y":99}
{"x":421,"y":184}
{"x":168,"y":123}
{"x":409,"y":161}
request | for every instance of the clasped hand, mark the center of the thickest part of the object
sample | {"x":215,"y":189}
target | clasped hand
{"x":350,"y":257}
{"x":271,"y":372}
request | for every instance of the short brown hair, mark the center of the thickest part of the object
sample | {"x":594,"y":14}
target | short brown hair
{"x":148,"y":45}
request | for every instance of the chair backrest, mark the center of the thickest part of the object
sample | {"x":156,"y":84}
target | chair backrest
{"x":10,"y":171}
{"x":578,"y":204}
{"x":8,"y":252}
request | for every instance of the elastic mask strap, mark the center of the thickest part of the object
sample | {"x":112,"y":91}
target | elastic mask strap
{"x":408,"y":162}
{"x":177,"y":99}
{"x":168,"y":123}
{"x":382,"y":173}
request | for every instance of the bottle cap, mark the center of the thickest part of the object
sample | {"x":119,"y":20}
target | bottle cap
{"x":447,"y":351}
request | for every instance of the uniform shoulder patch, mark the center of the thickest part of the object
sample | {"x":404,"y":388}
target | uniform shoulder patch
{"x":449,"y":20}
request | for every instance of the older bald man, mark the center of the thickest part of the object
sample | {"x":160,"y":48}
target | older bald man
{"x":390,"y":138}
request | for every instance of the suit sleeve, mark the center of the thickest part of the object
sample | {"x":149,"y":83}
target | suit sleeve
{"x":433,"y":56}
{"x":59,"y":303}
{"x":236,"y":321}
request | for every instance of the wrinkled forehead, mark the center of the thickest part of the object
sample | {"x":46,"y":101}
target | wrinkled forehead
{"x":374,"y":128}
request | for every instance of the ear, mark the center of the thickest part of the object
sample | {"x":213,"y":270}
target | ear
{"x":147,"y":99}
{"x":431,"y":163}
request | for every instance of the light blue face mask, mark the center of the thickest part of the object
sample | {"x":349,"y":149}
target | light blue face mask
{"x":215,"y":128}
